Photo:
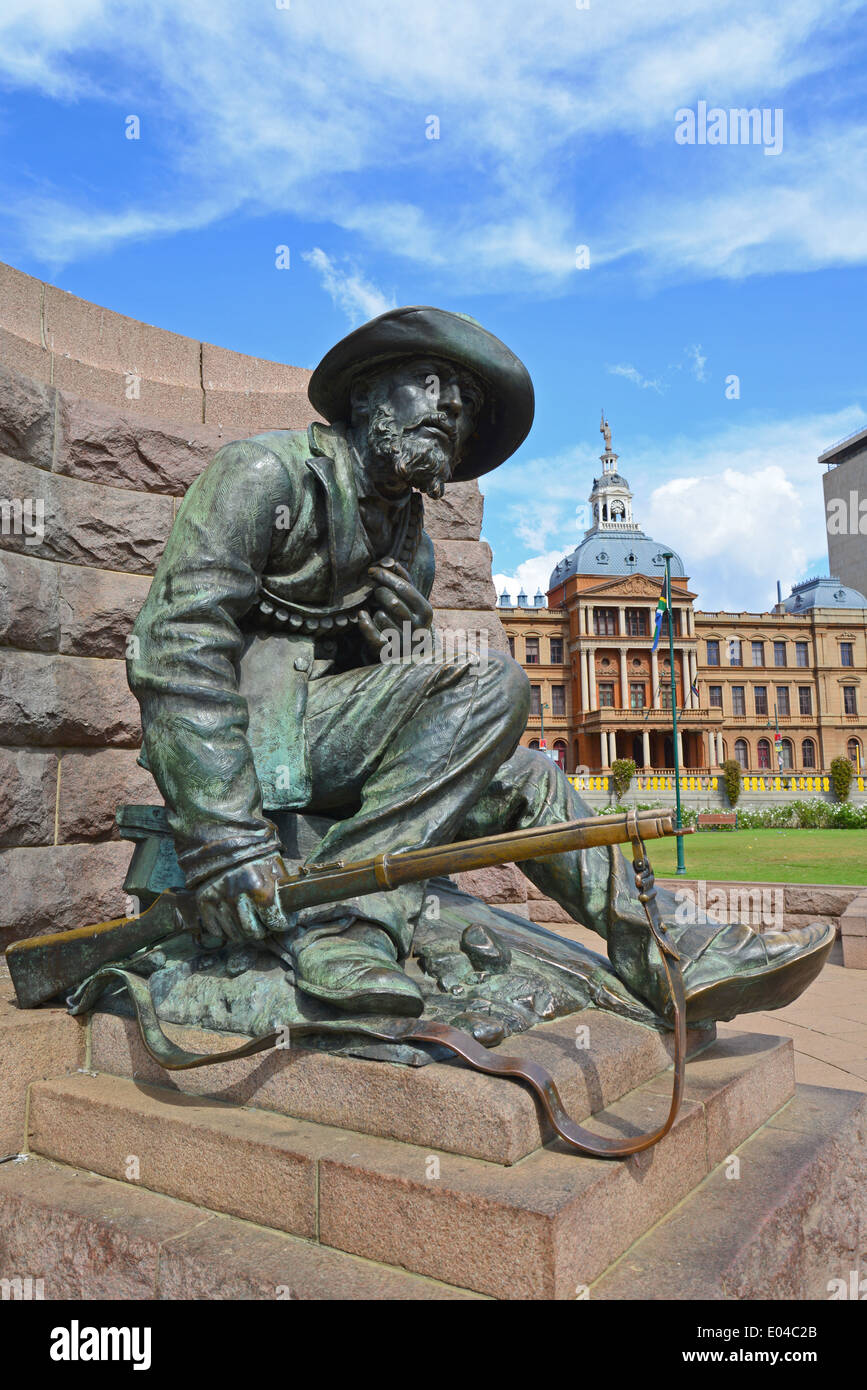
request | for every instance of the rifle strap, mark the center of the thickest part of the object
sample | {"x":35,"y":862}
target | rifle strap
{"x":174,"y":1058}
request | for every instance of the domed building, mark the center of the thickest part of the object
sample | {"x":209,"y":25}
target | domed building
{"x":600,"y":692}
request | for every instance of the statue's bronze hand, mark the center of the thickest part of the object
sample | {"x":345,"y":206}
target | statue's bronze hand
{"x":400,"y":602}
{"x":242,"y":904}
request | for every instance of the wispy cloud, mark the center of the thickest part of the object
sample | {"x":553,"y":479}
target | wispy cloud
{"x":697,"y":362}
{"x":357,"y":297}
{"x":634,"y":375}
{"x":244,"y":100}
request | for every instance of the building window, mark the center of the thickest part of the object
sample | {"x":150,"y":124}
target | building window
{"x":531,"y":647}
{"x":786,"y":758}
{"x":735,"y":653}
{"x":534,"y":743}
{"x":560,"y":753}
{"x":764,"y":753}
{"x":802,"y":654}
{"x":605,"y":622}
{"x":849,"y":706}
{"x":853,"y":748}
{"x":742,"y":752}
{"x":761,"y":698}
{"x":665,"y":697}
{"x":758,"y":653}
{"x":808,"y":753}
{"x":846,"y":654}
{"x":558,"y":699}
{"x":636,"y":622}
{"x":779,"y":654}
{"x":511,"y":646}
{"x":556,"y":651}
{"x":783,"y":699}
{"x":637,"y":694}
{"x":714,"y":696}
{"x":712,"y":652}
{"x":536,"y":700}
{"x":606,"y":694}
{"x":805,"y":699}
{"x":739,"y":704}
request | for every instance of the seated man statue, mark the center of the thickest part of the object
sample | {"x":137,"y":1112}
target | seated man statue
{"x":293,"y":557}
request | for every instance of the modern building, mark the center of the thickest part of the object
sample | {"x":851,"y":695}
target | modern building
{"x":845,"y":488}
{"x":779,"y":689}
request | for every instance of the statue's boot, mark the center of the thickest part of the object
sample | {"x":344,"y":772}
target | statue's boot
{"x":356,"y":971}
{"x":728,"y":969}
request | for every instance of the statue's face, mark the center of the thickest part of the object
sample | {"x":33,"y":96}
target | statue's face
{"x":419,"y":415}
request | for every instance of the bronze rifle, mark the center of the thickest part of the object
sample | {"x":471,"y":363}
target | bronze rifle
{"x":43,"y":967}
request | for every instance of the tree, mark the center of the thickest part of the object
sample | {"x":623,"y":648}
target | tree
{"x":731,"y":771}
{"x":622,"y":773}
{"x":841,"y":777}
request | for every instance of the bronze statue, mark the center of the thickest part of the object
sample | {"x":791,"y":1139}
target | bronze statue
{"x":261,"y":689}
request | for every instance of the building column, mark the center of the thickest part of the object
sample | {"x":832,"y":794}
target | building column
{"x":645,"y":747}
{"x":679,"y":748}
{"x":719,"y":747}
{"x":655,"y":692}
{"x":624,"y":681}
{"x":711,"y":748}
{"x":621,"y":620}
{"x":591,"y":677}
{"x":693,"y":679}
{"x":582,"y":657}
{"x":603,"y":738}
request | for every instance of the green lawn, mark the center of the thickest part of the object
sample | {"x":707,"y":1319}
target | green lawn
{"x":782,"y":856}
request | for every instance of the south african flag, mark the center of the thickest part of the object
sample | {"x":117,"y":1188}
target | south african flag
{"x":660,"y":609}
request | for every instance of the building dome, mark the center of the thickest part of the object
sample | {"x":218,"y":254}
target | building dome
{"x":822,"y":592}
{"x":612,"y":552}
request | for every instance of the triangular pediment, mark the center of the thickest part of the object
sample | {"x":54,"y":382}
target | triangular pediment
{"x":631,"y":586}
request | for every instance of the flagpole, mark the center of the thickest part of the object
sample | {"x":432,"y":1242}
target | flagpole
{"x":681,"y":864}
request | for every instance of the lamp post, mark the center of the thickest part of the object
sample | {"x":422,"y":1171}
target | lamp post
{"x":681,"y":863}
{"x":542,"y":743}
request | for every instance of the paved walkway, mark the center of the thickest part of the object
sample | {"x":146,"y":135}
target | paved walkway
{"x":827,"y":1025}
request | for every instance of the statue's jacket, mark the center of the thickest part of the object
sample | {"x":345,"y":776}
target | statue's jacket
{"x":256,"y":594}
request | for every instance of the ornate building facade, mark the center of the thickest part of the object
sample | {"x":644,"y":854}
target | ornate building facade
{"x":783,"y":689}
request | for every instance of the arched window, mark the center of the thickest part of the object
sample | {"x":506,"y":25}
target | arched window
{"x":534,"y":743}
{"x":560,"y":750}
{"x":742,"y":752}
{"x":853,"y":748}
{"x":786,"y":754}
{"x":808,"y":753}
{"x":764,"y":753}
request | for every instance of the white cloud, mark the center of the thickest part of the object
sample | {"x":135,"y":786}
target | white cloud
{"x":697,"y":362}
{"x":743,"y":507}
{"x":530,"y":575}
{"x":634,"y":375}
{"x":319,"y":111}
{"x":357,"y":297}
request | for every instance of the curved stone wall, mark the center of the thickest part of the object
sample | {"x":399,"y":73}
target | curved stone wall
{"x":89,"y":486}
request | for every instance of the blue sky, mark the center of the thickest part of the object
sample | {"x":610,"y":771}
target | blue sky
{"x":306,"y":126}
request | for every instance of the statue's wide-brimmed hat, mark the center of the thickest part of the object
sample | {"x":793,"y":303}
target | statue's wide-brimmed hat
{"x":506,"y":413}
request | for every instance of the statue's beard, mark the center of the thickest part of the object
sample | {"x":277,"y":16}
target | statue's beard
{"x":423,"y":461}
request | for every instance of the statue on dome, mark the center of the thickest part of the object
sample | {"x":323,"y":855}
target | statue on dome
{"x":605,"y":430}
